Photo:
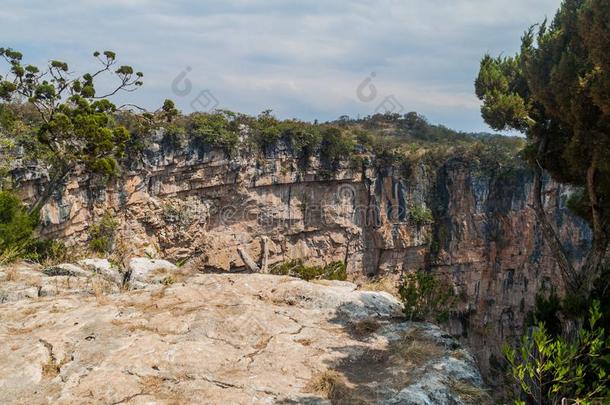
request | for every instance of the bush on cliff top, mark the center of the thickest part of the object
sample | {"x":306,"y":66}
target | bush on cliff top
{"x":218,"y":129}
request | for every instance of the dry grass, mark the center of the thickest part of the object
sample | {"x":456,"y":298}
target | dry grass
{"x":304,"y":342}
{"x":100,"y":291}
{"x":21,"y":331}
{"x":163,"y":389}
{"x":460,"y":355}
{"x":11,"y":274}
{"x":329,"y":384}
{"x":151,"y":384}
{"x":33,"y":281}
{"x":159,"y":293}
{"x":322,"y":282}
{"x":383,"y":284}
{"x":69,"y":254}
{"x":120,"y":254}
{"x":416,"y":349}
{"x":365,"y":327}
{"x":174,"y":276}
{"x":470,"y":394}
{"x":52,"y":367}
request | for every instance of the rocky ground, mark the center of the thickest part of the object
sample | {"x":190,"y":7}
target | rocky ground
{"x":78,"y":334}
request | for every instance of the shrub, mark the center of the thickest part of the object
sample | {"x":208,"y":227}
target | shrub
{"x":102,"y":234}
{"x":54,"y":251}
{"x":16,"y":224}
{"x":546,"y":310}
{"x":425,"y":296}
{"x":331,"y":384}
{"x":217,"y":130}
{"x":304,"y":140}
{"x":336,"y":146}
{"x":421,"y":215}
{"x":296,"y":268}
{"x":547,"y":369}
{"x":16,"y":227}
{"x":266,"y":130}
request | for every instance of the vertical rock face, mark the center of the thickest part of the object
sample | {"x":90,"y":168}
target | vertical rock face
{"x":490,"y":245}
{"x":189,"y":203}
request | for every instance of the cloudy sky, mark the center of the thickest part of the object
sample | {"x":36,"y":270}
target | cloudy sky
{"x":303,"y":59}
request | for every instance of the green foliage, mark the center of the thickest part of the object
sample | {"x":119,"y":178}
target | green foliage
{"x":557,"y":90}
{"x":426,"y":297}
{"x":44,"y":250}
{"x":579,"y":202}
{"x":75,"y":125}
{"x":547,"y":369}
{"x":218,"y":129}
{"x":168,"y":111}
{"x":102,"y":234}
{"x":336,"y":146}
{"x":17,"y":226}
{"x":266,"y":131}
{"x":546,"y":311}
{"x":421,"y":215}
{"x":296,"y":268}
{"x":302,"y":138}
{"x":18,"y":238}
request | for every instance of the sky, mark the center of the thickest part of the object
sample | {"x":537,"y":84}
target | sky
{"x":302,"y":59}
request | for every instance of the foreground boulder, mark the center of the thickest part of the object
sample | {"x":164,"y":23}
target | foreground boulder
{"x":143,"y":271}
{"x":229,"y":339}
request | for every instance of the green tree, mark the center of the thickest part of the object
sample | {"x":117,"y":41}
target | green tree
{"x":217,"y":129}
{"x":556,"y":90}
{"x":336,"y":145}
{"x":76,"y":123}
{"x":547,"y":369}
{"x":425,"y":297}
{"x":16,"y":228}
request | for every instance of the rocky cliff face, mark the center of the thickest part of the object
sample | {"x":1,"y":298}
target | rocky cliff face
{"x":193,"y":203}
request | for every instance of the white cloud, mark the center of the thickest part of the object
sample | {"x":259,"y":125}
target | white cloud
{"x":304,"y":59}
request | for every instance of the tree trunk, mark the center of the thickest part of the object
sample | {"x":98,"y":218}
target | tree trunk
{"x":54,"y":183}
{"x":265,"y":258}
{"x":599,"y":247}
{"x":250,"y":264}
{"x":568,"y":273}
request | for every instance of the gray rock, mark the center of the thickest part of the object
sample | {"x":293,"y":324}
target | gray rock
{"x":226,"y":339}
{"x":66,"y":269}
{"x":104,"y":268}
{"x":16,"y":294}
{"x":149,"y":271}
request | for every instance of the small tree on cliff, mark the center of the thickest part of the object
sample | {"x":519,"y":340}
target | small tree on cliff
{"x":557,"y":92}
{"x":75,"y":123}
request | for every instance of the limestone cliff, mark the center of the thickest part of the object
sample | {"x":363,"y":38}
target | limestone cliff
{"x":198,"y":204}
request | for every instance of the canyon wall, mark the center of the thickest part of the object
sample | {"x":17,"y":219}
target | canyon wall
{"x":196,"y":204}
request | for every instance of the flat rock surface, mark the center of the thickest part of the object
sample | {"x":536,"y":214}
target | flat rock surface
{"x":228,"y":339}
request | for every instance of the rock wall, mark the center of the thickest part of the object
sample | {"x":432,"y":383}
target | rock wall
{"x":490,"y":245}
{"x":196,"y":203}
